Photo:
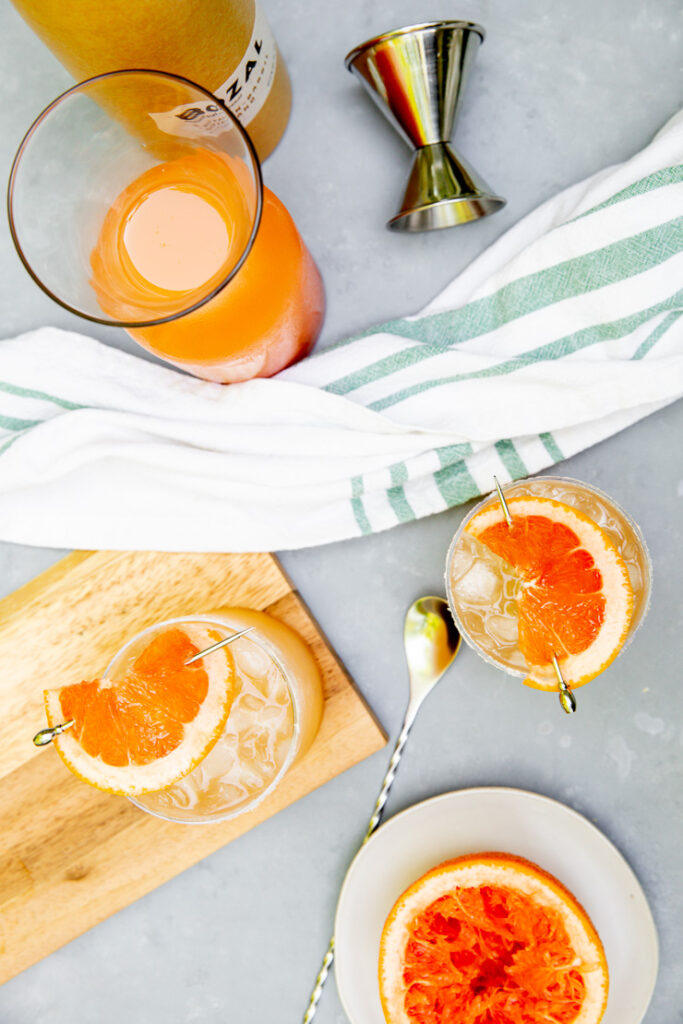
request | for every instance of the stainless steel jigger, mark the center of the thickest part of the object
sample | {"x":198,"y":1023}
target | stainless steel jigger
{"x":416,"y":77}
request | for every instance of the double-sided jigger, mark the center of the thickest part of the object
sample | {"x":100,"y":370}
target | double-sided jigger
{"x":416,"y":77}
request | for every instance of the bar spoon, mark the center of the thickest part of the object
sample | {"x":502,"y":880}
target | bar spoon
{"x":431,"y":642}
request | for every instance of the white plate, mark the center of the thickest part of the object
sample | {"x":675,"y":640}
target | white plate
{"x":510,"y":820}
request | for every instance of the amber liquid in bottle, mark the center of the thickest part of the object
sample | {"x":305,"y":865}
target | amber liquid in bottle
{"x":224,"y":45}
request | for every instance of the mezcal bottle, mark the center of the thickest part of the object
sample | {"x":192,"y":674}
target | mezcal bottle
{"x":226,"y":46}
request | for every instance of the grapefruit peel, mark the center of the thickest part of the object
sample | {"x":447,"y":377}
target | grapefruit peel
{"x":521,"y":975}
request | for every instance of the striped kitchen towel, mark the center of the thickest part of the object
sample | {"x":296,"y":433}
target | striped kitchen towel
{"x":565,"y":331}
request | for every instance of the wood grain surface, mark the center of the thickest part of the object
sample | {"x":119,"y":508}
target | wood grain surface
{"x":69,"y":855}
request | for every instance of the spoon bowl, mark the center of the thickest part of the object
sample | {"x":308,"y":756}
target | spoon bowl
{"x":431,"y":640}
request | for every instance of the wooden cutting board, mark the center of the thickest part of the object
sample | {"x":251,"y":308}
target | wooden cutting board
{"x":69,"y":855}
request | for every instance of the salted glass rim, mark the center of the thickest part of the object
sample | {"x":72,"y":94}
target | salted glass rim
{"x":550,"y":478}
{"x":42,"y":117}
{"x":266,"y":645}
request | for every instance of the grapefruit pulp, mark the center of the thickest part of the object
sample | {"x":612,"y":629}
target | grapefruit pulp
{"x":490,"y":938}
{"x":575,"y":599}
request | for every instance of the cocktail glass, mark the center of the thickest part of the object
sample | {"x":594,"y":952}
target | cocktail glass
{"x":136,"y":200}
{"x":273,"y":720}
{"x":482,"y":590}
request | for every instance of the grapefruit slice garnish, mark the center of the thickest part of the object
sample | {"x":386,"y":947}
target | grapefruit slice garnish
{"x":144,"y":731}
{"x":490,"y":938}
{"x":575,"y":599}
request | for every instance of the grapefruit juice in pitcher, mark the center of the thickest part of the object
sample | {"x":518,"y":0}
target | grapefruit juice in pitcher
{"x":136,"y":200}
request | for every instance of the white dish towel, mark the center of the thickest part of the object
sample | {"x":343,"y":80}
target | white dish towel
{"x":565,"y":331}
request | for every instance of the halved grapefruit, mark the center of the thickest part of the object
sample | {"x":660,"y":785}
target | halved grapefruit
{"x":149,"y":728}
{"x":575,"y":600}
{"x":490,"y":938}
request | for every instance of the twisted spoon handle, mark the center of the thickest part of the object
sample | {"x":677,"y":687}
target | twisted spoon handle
{"x":388,"y":779}
{"x":376,"y":818}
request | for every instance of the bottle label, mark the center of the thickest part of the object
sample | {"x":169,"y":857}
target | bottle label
{"x":247,"y":89}
{"x":244,"y":93}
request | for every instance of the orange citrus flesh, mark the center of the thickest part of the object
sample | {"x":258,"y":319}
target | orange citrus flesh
{"x":494,"y":952}
{"x":487,"y":948}
{"x":575,"y":597}
{"x":565,"y":605}
{"x":142,"y":718}
{"x":149,"y":728}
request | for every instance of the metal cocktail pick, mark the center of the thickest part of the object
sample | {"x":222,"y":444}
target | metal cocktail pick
{"x":217,"y":646}
{"x":567,"y":698}
{"x":431,"y":643}
{"x":45,"y":736}
{"x":416,"y":76}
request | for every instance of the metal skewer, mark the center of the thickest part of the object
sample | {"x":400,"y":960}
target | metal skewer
{"x":45,"y":736}
{"x":567,"y":698}
{"x":217,"y":646}
{"x":501,"y":498}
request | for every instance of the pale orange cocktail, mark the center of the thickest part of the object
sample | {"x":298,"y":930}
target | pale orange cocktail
{"x":565,"y":591}
{"x":274,"y":717}
{"x":175,"y":233}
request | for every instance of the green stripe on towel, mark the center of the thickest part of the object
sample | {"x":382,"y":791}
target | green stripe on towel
{"x":553,"y":350}
{"x":658,"y":333}
{"x":665,"y":176}
{"x":551,"y":446}
{"x":456,"y":483}
{"x":578,"y":276}
{"x":14,"y":389}
{"x":511,"y":459}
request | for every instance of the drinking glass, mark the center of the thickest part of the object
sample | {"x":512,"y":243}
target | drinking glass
{"x":136,"y":200}
{"x":482,"y":590}
{"x":273,"y":720}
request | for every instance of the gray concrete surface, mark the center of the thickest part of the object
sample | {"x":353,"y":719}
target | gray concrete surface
{"x":559,"y":91}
